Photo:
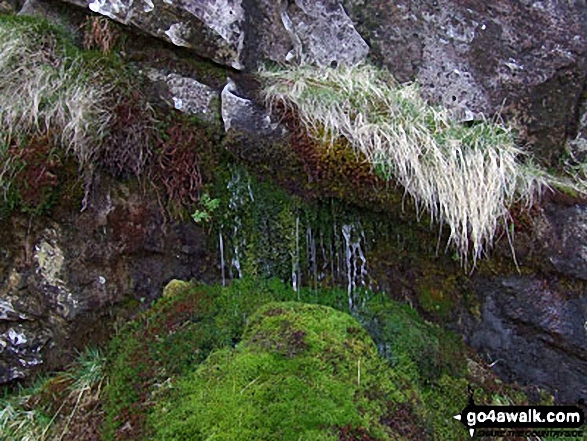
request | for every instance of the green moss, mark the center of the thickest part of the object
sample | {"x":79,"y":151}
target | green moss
{"x":418,"y":382}
{"x":300,"y":372}
{"x":175,"y":288}
{"x":438,"y":293}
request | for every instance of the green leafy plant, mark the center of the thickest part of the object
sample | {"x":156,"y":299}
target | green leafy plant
{"x":208,"y":206}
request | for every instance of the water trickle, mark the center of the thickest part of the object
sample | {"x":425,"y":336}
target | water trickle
{"x":355,"y":261}
{"x":222,"y":265}
{"x":235,"y":258}
{"x":269,"y":234}
{"x":296,"y":279}
{"x":238,"y":193}
{"x":312,"y":265}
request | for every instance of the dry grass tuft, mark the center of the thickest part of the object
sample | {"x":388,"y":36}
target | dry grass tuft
{"x":46,"y":411}
{"x":99,"y":34}
{"x":128,"y":149}
{"x":465,"y":177}
{"x":42,"y":90}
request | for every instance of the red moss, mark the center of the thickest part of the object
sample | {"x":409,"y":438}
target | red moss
{"x":177,"y":167}
{"x":128,"y":148}
{"x":41,"y":166}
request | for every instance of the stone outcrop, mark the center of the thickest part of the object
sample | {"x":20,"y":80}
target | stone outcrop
{"x":525,"y":59}
{"x":240,"y":33}
{"x":186,"y":94}
{"x":62,"y":279}
{"x":302,"y":31}
{"x":564,"y":236}
{"x":534,"y":331}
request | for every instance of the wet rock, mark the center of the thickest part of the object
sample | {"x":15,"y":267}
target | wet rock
{"x":578,"y":146}
{"x":564,"y":237}
{"x":524,"y":58}
{"x":9,"y":6}
{"x":535,"y":332}
{"x":20,"y":350}
{"x":69,"y":276}
{"x":50,"y":261}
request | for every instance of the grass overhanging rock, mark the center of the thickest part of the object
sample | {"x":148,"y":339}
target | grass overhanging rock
{"x":466,"y":177}
{"x":46,"y":89}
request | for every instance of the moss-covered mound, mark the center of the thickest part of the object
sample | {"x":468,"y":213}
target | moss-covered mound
{"x":232,"y":363}
{"x":304,"y":372}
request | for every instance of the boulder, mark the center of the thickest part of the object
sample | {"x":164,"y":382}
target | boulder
{"x":186,"y":94}
{"x":242,"y":114}
{"x":525,"y":59}
{"x":243,"y":34}
{"x":302,"y":31}
{"x":534,"y":331}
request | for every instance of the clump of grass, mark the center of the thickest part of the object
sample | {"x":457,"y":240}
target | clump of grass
{"x":45,"y":410}
{"x":17,"y":421}
{"x":46,"y":88}
{"x":465,"y":177}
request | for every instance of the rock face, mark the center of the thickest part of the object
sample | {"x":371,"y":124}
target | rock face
{"x":578,"y":146}
{"x":186,"y":94}
{"x":62,"y":282}
{"x":239,"y":33}
{"x":535,"y":332}
{"x":243,"y":115}
{"x":302,"y":31}
{"x":525,"y":57}
{"x":565,"y":239}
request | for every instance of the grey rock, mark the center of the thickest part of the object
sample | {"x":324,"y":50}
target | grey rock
{"x":301,"y":31}
{"x":212,"y":28}
{"x":242,"y":34}
{"x":578,"y":145}
{"x":187,"y":94}
{"x":9,"y":6}
{"x":64,"y":292}
{"x":534,"y":332}
{"x":564,"y":236}
{"x":50,"y":261}
{"x":242,"y":114}
{"x":322,"y":33}
{"x":9,"y":313}
{"x":526,"y":60}
{"x":20,"y":351}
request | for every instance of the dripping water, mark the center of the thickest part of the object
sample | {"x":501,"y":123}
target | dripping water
{"x":221,"y":245}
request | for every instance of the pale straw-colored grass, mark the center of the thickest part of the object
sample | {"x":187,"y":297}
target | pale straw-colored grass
{"x":44,"y":91}
{"x":465,"y":177}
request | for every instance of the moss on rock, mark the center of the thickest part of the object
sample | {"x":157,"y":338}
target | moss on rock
{"x":301,"y":372}
{"x":257,"y":360}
